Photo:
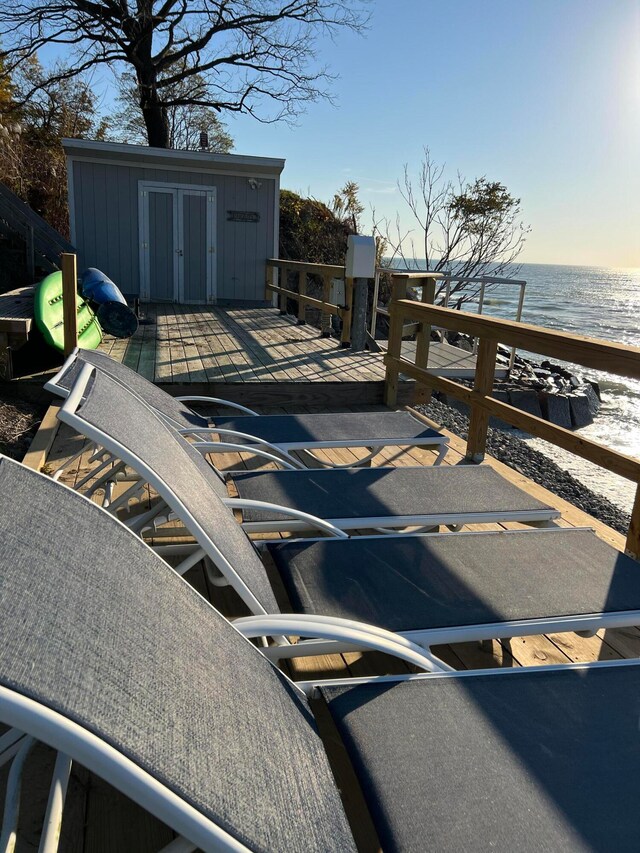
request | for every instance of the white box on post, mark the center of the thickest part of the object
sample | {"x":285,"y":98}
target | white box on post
{"x":360,"y":261}
{"x":360,"y":266}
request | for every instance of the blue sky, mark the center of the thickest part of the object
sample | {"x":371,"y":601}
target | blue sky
{"x":543,"y":95}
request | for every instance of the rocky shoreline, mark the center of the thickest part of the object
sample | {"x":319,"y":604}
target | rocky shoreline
{"x":511,"y":450}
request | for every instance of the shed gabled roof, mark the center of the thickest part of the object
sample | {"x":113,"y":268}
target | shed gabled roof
{"x":168,"y":158}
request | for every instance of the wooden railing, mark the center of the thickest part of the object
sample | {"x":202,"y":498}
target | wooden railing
{"x":326,"y":272}
{"x":41,"y":240}
{"x":619,"y":359}
{"x":442,"y":293}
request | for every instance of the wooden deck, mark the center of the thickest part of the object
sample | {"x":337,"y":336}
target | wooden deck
{"x":188,"y":347}
{"x":251,"y":355}
{"x":16,"y":320}
{"x":100,"y":819}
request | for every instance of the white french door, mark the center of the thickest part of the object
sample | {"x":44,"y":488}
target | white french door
{"x":177,"y":242}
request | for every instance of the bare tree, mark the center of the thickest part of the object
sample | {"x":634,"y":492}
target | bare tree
{"x":254,"y":56}
{"x":186,"y":122}
{"x":32,"y":161}
{"x":468,"y":229}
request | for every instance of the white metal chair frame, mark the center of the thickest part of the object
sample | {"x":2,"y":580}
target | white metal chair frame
{"x":112,"y":469}
{"x":32,"y":721}
{"x":282,"y":450}
{"x":278,"y":625}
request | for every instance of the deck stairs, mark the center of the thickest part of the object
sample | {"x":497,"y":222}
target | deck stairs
{"x":29,"y":246}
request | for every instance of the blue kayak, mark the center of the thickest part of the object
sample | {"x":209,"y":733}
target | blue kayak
{"x":114,"y":314}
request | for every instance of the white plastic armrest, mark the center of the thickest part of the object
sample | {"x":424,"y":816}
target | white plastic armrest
{"x":320,"y":523}
{"x":222,"y":447}
{"x":342,"y":630}
{"x":218,"y":402}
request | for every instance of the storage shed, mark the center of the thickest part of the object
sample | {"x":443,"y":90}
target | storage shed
{"x":174,"y":226}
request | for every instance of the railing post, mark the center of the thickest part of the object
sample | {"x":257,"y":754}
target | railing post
{"x":31,"y":252}
{"x":374,"y":304}
{"x":632,"y":546}
{"x":302,"y":290}
{"x":284,"y":283}
{"x":271,"y":278}
{"x":483,"y":384}
{"x":325,"y":317}
{"x":423,"y":338}
{"x":69,"y":308}
{"x":394,"y":349}
{"x":345,"y":337}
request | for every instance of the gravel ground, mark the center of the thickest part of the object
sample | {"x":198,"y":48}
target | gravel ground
{"x":19,"y":422}
{"x":518,"y":455}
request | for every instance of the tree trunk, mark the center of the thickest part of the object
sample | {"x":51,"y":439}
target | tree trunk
{"x":157,"y":124}
{"x":154,"y":112}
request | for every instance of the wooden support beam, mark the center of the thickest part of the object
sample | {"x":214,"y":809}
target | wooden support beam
{"x":394,"y":350}
{"x":618,"y":463}
{"x":423,"y":335}
{"x":345,"y":337}
{"x":309,"y":300}
{"x":333,"y":270}
{"x":29,"y":242}
{"x":6,"y":365}
{"x":621,"y":359}
{"x":633,"y":536}
{"x":325,"y":317}
{"x":302,"y":290}
{"x":284,"y":286}
{"x":69,"y":307}
{"x":483,"y":384}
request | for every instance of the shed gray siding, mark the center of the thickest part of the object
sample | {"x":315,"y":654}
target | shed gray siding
{"x":105,"y":202}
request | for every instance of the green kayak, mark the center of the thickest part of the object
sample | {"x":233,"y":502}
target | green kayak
{"x":47,"y":310}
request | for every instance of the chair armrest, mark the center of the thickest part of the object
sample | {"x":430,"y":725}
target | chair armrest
{"x":222,"y":447}
{"x":341,"y":630}
{"x":217,"y":401}
{"x":313,"y":521}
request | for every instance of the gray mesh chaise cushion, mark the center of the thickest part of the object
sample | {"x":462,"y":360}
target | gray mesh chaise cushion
{"x":150,"y":393}
{"x":509,"y":762}
{"x":413,"y":582}
{"x":95,"y":626}
{"x":187,"y":479}
{"x":347,"y":427}
{"x":378,"y":492}
{"x":278,"y":429}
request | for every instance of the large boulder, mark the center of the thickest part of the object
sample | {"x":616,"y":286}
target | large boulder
{"x":581,"y":415}
{"x":556,"y":408}
{"x":525,"y":400}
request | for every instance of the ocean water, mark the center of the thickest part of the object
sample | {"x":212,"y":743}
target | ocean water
{"x":601,"y":302}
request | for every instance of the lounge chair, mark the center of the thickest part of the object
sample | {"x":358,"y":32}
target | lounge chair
{"x":281,"y":434}
{"x":389,"y":499}
{"x":431,"y":589}
{"x":116,"y":663}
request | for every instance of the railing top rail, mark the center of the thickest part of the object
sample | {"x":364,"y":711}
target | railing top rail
{"x":621,"y":359}
{"x":413,"y":273}
{"x":476,"y":279}
{"x":13,"y":204}
{"x":280,"y":263}
{"x":485,"y":279}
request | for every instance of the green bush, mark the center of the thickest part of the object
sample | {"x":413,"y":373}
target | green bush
{"x":310,"y":231}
